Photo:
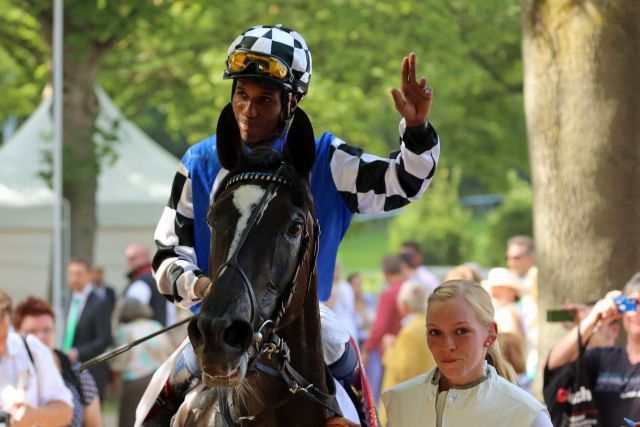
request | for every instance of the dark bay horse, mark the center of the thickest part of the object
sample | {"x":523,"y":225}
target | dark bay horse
{"x":257,"y":337}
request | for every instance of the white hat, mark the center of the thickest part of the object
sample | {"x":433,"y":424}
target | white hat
{"x":503,"y":277}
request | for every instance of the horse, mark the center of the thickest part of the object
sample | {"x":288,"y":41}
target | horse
{"x":257,"y":337}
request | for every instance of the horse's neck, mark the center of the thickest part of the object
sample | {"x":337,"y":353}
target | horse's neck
{"x":304,"y":339}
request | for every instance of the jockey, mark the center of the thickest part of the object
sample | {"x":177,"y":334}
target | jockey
{"x":270,"y":67}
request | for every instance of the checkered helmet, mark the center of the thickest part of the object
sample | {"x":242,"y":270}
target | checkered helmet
{"x":275,"y":41}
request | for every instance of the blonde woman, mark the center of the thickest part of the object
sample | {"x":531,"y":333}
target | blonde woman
{"x":472,"y":383}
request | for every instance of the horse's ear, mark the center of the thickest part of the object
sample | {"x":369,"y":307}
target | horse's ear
{"x":300,"y":149}
{"x":228,"y":142}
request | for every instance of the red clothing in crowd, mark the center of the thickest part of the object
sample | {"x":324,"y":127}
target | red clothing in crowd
{"x":387,"y":317}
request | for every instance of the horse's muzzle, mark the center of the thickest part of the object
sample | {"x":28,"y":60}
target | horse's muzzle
{"x":221,"y":346}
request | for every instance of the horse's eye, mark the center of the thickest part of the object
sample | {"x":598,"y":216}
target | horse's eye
{"x":295,"y":228}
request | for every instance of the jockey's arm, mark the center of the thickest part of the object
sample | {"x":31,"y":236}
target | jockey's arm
{"x":174,"y":264}
{"x":371,"y":184}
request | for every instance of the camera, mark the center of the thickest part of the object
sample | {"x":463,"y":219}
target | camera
{"x":5,"y":418}
{"x":624,"y":304}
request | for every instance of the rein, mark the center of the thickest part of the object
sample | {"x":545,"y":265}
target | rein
{"x":265,"y":339}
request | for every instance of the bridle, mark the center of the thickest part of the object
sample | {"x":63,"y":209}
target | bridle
{"x":265,"y":339}
{"x":274,"y":179}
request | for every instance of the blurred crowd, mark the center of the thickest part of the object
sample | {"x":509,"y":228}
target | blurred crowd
{"x":40,"y":378}
{"x":391,"y":328}
{"x":41,"y":383}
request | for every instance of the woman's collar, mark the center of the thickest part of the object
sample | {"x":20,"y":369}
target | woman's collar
{"x":435,"y":379}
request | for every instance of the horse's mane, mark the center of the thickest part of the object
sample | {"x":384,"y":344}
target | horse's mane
{"x":267,"y":159}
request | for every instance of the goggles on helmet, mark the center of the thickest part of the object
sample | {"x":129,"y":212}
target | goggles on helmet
{"x":267,"y":66}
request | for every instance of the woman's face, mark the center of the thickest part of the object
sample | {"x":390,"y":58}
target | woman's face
{"x":42,"y":327}
{"x":457,"y":340}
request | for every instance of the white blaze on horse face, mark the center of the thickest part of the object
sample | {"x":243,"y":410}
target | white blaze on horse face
{"x":245,"y":200}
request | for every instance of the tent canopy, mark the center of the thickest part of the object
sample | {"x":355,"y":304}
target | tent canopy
{"x":131,"y":190}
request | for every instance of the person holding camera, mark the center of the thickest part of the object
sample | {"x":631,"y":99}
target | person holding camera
{"x":615,"y":370}
{"x":32,"y":392}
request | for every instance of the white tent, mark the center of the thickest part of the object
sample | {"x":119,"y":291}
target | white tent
{"x":131,"y":195}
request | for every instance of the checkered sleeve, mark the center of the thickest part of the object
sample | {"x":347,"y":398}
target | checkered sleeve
{"x":174,"y":264}
{"x":371,"y":184}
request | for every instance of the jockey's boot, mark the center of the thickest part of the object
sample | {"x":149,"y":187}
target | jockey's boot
{"x":185,"y":375}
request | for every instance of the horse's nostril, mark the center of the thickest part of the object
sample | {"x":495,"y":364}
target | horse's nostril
{"x":238,"y":334}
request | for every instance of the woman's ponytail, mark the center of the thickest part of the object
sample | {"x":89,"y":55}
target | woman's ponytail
{"x":495,"y":358}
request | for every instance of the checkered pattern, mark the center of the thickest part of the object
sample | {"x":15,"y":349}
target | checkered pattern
{"x":372,"y":184}
{"x":343,"y":174}
{"x":282,"y":43}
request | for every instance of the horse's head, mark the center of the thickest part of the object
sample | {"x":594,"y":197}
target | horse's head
{"x":263,"y":238}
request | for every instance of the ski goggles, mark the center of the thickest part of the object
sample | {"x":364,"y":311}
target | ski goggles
{"x":267,"y":66}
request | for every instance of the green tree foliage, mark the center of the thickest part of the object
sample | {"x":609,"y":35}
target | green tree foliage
{"x":23,"y":62}
{"x":469,"y":50}
{"x":512,"y":217}
{"x":438,"y":222}
{"x":165,"y":61}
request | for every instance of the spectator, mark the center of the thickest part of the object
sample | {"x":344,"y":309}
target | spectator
{"x":101,"y":289}
{"x":520,"y":255}
{"x":387,"y":320}
{"x":34,"y":316}
{"x":506,"y":289}
{"x":365,"y":307}
{"x":513,"y":348}
{"x":407,"y":355}
{"x":615,"y":371}
{"x":603,"y":336}
{"x":31,"y":389}
{"x":142,"y":285}
{"x":421,"y":274}
{"x":87,"y":323}
{"x":136,"y":366}
{"x":342,"y":302}
{"x":462,"y":272}
{"x":472,"y":383}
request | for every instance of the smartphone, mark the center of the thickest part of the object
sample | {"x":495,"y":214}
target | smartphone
{"x":561,"y":315}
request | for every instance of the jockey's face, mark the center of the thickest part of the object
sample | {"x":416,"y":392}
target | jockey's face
{"x":257,"y":108}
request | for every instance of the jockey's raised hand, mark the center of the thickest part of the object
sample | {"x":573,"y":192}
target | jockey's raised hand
{"x":413,"y":100}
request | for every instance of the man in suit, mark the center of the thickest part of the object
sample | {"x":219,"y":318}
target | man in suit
{"x":103,"y":290}
{"x":88,"y":321}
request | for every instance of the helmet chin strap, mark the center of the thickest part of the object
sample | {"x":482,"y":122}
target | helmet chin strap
{"x":287,"y":114}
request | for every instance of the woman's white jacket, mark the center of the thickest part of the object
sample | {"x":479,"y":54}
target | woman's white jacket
{"x":493,"y":402}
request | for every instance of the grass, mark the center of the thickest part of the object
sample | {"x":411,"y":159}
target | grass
{"x":362,"y":249}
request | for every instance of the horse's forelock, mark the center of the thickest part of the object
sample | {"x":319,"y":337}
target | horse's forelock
{"x":269,"y":160}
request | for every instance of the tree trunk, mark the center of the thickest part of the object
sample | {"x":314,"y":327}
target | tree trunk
{"x":582,"y":104}
{"x":80,"y":163}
